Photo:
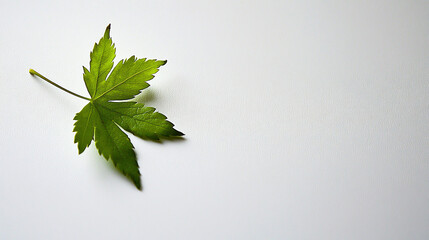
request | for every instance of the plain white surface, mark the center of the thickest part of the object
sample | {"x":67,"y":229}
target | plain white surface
{"x":303,"y":120}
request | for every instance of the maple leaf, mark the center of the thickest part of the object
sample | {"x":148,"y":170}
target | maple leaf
{"x":103,"y":117}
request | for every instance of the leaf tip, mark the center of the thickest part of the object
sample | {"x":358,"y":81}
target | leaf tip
{"x":107,"y":32}
{"x":177,"y":133}
{"x":137,"y":182}
{"x":31,"y":71}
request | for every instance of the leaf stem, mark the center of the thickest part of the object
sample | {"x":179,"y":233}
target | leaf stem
{"x":33,"y":72}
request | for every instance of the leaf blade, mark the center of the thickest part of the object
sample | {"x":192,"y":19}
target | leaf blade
{"x":101,"y":63}
{"x":128,"y":78}
{"x":84,"y":127}
{"x":139,"y":120}
{"x":114,"y":144}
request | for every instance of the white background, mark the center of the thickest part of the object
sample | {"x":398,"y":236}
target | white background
{"x":303,"y":120}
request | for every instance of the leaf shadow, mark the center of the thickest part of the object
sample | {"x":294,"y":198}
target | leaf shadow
{"x":163,"y":140}
{"x":146,"y":96}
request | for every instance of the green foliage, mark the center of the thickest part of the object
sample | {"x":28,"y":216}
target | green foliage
{"x":101,"y":118}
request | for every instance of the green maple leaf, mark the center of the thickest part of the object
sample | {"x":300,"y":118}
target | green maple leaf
{"x":103,"y":117}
